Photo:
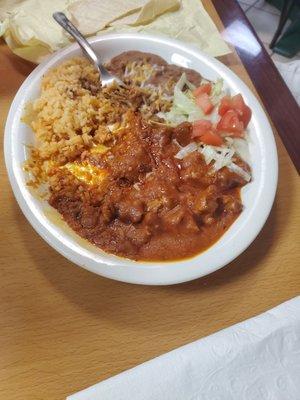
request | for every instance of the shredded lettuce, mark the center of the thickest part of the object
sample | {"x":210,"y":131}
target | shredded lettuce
{"x":184,"y":81}
{"x":184,"y":103}
{"x":220,"y":155}
{"x":217,"y":87}
{"x":173,"y":117}
{"x":239,"y":171}
{"x":240,"y":147}
{"x":184,"y":107}
{"x":217,"y":91}
{"x":184,"y":151}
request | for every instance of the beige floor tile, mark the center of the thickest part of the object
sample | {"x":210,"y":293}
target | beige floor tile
{"x":244,"y":6}
{"x":264,"y":23}
{"x":263,"y":5}
{"x":249,"y":2}
{"x":280,"y":58}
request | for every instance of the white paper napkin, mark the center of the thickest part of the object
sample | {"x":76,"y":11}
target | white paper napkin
{"x":258,"y":359}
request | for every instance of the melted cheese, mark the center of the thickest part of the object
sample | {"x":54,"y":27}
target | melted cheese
{"x":87,"y":172}
{"x":99,"y":149}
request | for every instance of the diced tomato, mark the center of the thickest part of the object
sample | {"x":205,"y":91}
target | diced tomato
{"x":231,"y":123}
{"x":205,"y":88}
{"x":212,"y":139}
{"x":225,"y":105}
{"x":203,"y":101}
{"x":203,"y":131}
{"x":237,"y":104}
{"x":201,"y":127}
{"x":243,"y":110}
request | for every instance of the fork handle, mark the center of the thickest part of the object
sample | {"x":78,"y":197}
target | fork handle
{"x":67,"y":25}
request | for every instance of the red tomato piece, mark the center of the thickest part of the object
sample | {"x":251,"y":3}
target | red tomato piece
{"x":231,"y":123}
{"x":242,"y":109}
{"x":203,"y":101}
{"x":237,"y":104}
{"x":225,"y":105}
{"x":201,"y":127}
{"x":205,"y":88}
{"x":212,"y":139}
{"x":203,"y":131}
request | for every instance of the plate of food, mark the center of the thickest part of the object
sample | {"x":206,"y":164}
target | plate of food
{"x":159,"y":181}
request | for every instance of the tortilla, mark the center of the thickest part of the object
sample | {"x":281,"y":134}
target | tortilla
{"x":91,"y":16}
{"x":31,"y":32}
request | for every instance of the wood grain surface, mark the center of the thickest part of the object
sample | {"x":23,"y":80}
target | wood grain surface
{"x":63,"y":328}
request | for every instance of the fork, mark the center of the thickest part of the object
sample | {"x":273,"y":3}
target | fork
{"x":106,"y":78}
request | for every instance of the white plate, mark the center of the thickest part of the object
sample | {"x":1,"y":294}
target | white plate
{"x":257,"y":196}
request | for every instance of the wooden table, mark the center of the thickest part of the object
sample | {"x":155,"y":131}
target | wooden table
{"x":63,"y":328}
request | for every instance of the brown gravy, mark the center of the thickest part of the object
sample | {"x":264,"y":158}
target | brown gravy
{"x":153,"y":206}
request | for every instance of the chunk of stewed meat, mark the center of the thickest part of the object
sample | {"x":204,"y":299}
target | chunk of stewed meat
{"x":231,"y":204}
{"x":129,"y":158}
{"x":227,"y":179}
{"x":205,"y":203}
{"x":138,"y":235}
{"x":89,"y":216}
{"x":183,"y":133}
{"x":195,"y":171}
{"x":130,"y":211}
{"x":172,"y":218}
